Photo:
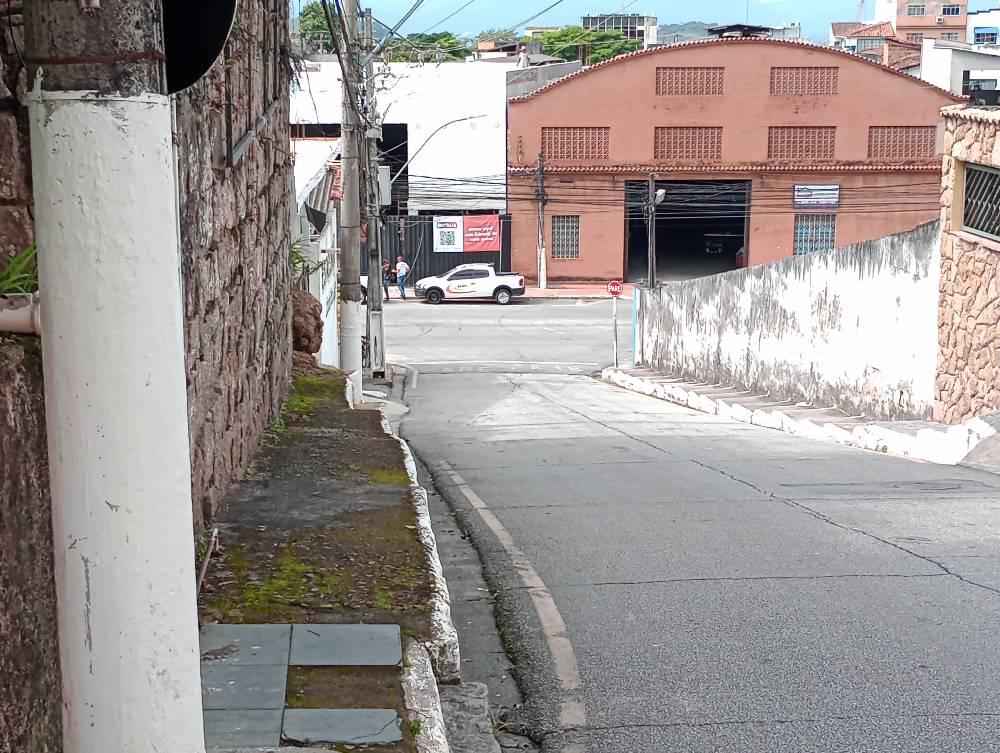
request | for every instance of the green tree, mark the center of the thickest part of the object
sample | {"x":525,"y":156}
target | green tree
{"x":576,"y":43}
{"x":312,"y":19}
{"x":428,"y":47}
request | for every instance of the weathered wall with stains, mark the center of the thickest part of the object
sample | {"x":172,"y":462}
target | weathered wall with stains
{"x":854,"y":328}
{"x":235,"y":219}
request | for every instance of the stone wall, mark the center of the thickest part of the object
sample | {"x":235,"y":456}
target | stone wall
{"x":852,"y":328}
{"x":234,"y":222}
{"x":968,"y":381}
{"x":235,"y":236}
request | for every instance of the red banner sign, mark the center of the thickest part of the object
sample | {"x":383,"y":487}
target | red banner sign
{"x":482,"y":233}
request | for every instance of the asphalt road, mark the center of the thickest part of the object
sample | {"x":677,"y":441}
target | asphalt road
{"x":671,"y":581}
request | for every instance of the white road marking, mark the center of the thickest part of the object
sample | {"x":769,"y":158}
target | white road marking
{"x":500,"y":363}
{"x":572,"y":713}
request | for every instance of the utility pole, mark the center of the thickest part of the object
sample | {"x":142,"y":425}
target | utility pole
{"x":352,"y":323}
{"x":106,"y":223}
{"x":540,"y":193}
{"x":651,"y":232}
{"x":376,"y":328}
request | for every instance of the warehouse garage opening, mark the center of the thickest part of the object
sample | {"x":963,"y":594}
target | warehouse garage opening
{"x":701,"y":228}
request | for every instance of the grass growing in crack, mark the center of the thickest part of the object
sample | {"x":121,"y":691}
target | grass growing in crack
{"x":416,"y":727}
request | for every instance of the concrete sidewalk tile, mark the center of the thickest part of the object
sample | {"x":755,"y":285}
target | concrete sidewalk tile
{"x":346,"y":646}
{"x":342,"y":726}
{"x":228,"y":686}
{"x":243,"y":728}
{"x":245,"y":644}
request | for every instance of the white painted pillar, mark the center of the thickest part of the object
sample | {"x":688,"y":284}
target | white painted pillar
{"x":116,"y":408}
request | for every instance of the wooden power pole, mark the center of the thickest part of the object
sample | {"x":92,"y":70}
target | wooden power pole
{"x":540,"y":195}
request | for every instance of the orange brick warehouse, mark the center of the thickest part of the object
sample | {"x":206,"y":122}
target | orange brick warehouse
{"x":765,"y":148}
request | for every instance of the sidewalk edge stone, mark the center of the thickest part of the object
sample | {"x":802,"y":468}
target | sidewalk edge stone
{"x":948,"y":446}
{"x":422,"y":701}
{"x":443,"y":646}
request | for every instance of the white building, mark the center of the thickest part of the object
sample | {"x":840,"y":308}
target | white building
{"x":455,"y":126}
{"x":960,"y":68}
{"x":984,"y":26}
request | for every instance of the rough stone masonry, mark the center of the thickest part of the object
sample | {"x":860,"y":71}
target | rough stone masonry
{"x":235,"y":195}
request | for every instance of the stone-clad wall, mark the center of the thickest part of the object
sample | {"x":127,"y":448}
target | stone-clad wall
{"x":235,"y":238}
{"x":235,"y":241}
{"x":968,"y":381}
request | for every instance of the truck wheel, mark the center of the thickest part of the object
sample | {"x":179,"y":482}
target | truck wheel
{"x":434,"y":296}
{"x":502,"y":296}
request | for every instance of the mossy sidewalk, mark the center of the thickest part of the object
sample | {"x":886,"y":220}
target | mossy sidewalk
{"x":324,"y":530}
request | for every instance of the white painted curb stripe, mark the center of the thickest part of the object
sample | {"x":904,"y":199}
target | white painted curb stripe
{"x":572,"y":712}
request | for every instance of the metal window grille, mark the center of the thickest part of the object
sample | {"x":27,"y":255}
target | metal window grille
{"x":801,"y":142}
{"x":902,"y":142}
{"x":690,"y":82}
{"x":950,"y":36}
{"x":915,"y":37}
{"x":951,"y":10}
{"x":982,"y":200}
{"x":687,"y":143}
{"x":916,"y":10}
{"x":986,"y":37}
{"x":804,"y":81}
{"x":815,"y":232}
{"x":566,"y":237}
{"x":576,"y":143}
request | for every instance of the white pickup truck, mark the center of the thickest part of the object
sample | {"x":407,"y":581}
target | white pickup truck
{"x":469,"y":282}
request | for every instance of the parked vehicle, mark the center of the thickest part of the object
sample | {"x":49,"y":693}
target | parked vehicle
{"x":471,"y":282}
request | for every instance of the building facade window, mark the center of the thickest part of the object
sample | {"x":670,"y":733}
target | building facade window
{"x":950,"y":36}
{"x":576,"y":143}
{"x":899,"y":143}
{"x":982,"y":200}
{"x":951,"y":10}
{"x":694,"y":143}
{"x":690,"y":82}
{"x":916,"y":10}
{"x":869,"y":44}
{"x":801,"y":142}
{"x":986,"y":36}
{"x":815,"y":232}
{"x":915,"y":37}
{"x":804,"y":82}
{"x":566,"y":236}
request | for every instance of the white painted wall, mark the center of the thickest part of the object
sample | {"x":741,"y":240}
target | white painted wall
{"x":854,"y":328}
{"x":943,"y":63}
{"x":424,"y":96}
{"x":981,"y":18}
{"x":884,"y":11}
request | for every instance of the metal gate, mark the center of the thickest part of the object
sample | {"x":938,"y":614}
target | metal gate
{"x":413,"y":239}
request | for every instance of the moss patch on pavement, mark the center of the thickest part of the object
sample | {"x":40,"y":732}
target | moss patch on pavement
{"x":324,"y":528}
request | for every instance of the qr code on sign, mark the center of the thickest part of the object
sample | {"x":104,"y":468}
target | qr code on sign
{"x":447,"y":237}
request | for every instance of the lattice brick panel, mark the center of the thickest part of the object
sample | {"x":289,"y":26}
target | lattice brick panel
{"x":902,"y":142}
{"x":804,"y":82}
{"x":687,"y":144}
{"x":801,"y":142}
{"x":697,"y":82}
{"x":576,"y":143}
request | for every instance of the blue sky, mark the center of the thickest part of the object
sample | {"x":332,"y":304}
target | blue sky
{"x":815,"y":15}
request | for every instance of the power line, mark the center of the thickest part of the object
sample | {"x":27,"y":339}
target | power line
{"x":451,"y":16}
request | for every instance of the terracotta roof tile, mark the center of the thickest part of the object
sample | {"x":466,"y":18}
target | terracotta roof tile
{"x":667,"y":49}
{"x":843,"y":28}
{"x":883,"y":30}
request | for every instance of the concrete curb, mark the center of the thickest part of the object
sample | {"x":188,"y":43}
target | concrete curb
{"x":948,"y":446}
{"x":422,"y":702}
{"x":443,"y":645}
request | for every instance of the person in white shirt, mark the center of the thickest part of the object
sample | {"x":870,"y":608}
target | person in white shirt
{"x":402,"y":270}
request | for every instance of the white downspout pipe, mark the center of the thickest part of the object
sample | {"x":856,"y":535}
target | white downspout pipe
{"x":117,"y":421}
{"x":20,"y":314}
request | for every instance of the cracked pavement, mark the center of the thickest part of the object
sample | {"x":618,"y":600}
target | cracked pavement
{"x":724,"y":587}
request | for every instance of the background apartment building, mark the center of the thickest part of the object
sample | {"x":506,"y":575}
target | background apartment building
{"x":917,"y":20}
{"x":633,"y":25}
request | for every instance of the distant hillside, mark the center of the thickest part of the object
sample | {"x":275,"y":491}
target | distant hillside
{"x":684,"y":32}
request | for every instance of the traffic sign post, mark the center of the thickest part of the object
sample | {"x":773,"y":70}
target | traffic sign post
{"x":615,"y":288}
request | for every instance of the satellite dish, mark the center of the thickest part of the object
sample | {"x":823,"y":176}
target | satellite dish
{"x":195,"y":32}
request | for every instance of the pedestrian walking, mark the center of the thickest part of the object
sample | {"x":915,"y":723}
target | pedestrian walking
{"x":386,"y":277}
{"x":402,"y":270}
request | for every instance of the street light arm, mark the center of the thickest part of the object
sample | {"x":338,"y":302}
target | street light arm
{"x":434,"y":133}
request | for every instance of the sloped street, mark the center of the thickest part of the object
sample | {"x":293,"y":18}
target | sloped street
{"x":672,"y":581}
